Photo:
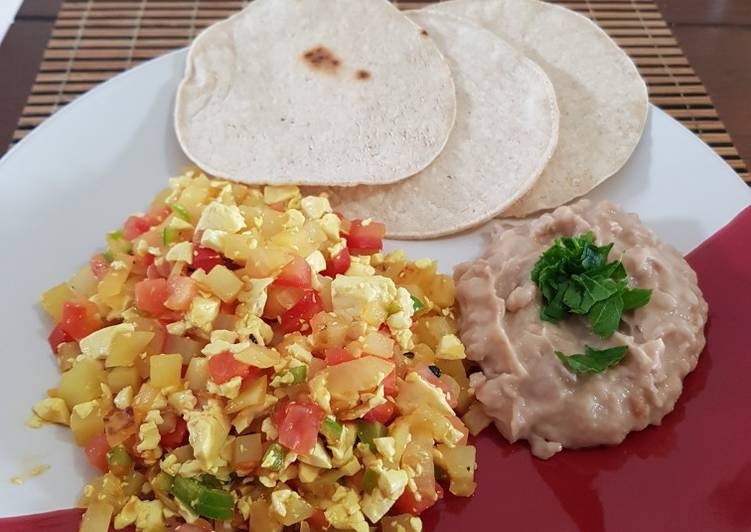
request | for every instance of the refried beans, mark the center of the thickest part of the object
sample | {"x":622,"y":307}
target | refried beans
{"x":523,"y":386}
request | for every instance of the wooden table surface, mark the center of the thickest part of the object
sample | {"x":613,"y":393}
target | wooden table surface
{"x":715,"y":36}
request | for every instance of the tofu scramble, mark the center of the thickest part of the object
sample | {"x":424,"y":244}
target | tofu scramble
{"x":244,"y":358}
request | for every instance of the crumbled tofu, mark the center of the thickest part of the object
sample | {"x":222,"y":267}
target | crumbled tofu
{"x":181,"y":252}
{"x":213,"y":239}
{"x":294,"y":219}
{"x":278,"y":194}
{"x":99,"y":343}
{"x":450,"y":348}
{"x":207,"y":432}
{"x":243,"y":504}
{"x":170,"y":465}
{"x":360,"y":268}
{"x":367,"y":298}
{"x":84,"y":410}
{"x":416,"y":393}
{"x":315,"y":207}
{"x":148,"y":435}
{"x":229,"y":389}
{"x":34,"y":422}
{"x":390,"y":486}
{"x":118,"y":265}
{"x":182,"y":401}
{"x":269,"y":429}
{"x":318,"y":457}
{"x":424,"y":263}
{"x":281,"y":500}
{"x":221,"y":217}
{"x":256,"y":294}
{"x":386,"y":447}
{"x":317,"y":261}
{"x":203,"y":311}
{"x":53,"y":409}
{"x":300,"y":353}
{"x":124,"y":398}
{"x":331,"y":224}
{"x":179,"y":224}
{"x":319,"y":392}
{"x":178,"y":328}
{"x":344,"y":511}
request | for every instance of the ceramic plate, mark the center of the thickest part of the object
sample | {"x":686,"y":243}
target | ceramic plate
{"x":105,"y":155}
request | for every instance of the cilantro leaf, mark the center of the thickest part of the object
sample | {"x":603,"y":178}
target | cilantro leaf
{"x":593,"y":360}
{"x":635,"y":297}
{"x":417,"y":304}
{"x":605,"y":316}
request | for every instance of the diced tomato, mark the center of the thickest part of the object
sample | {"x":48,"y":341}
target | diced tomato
{"x":389,"y":384}
{"x":225,"y":366}
{"x":339,"y":264}
{"x":228,"y":308}
{"x":382,"y":413}
{"x":279,"y":299}
{"x":96,"y":452}
{"x":58,"y":336}
{"x":280,"y":411}
{"x":318,"y":520}
{"x":151,"y":295}
{"x":80,"y":319}
{"x":152,"y":272}
{"x":206,"y":258}
{"x":141,"y":263}
{"x":156,"y":215}
{"x":181,"y":290}
{"x":337,"y":355}
{"x":365,"y":239}
{"x":408,"y":503}
{"x":429,"y":376}
{"x":298,"y":317}
{"x":278,"y":206}
{"x":134,"y":227}
{"x":296,"y":274}
{"x":99,"y":266}
{"x":177,"y":437}
{"x":298,"y":426}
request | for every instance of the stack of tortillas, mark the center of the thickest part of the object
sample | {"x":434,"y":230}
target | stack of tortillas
{"x":432,"y":121}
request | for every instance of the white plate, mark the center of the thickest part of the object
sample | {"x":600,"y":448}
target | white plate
{"x":105,"y":155}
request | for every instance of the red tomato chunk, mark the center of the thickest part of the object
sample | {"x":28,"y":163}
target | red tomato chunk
{"x":298,"y":425}
{"x":225,"y":366}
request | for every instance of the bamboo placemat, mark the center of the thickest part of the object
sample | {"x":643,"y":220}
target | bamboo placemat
{"x":94,"y":40}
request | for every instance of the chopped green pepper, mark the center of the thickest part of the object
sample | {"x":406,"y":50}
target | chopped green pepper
{"x":169,"y":235}
{"x":108,"y":256}
{"x":367,"y":431}
{"x":298,"y":373}
{"x":117,"y":244}
{"x":119,"y":461}
{"x":210,"y":481}
{"x":180,"y":211}
{"x":417,"y":304}
{"x":331,"y":429}
{"x":115,"y":235}
{"x":370,"y":480}
{"x":212,"y":503}
{"x":274,"y":457}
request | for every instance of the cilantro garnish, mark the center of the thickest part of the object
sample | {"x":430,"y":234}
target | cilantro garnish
{"x":575,"y":277}
{"x":593,"y":360}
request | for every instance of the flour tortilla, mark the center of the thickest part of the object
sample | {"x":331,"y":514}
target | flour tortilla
{"x":602,"y":99}
{"x":505,"y":133}
{"x":335,"y":92}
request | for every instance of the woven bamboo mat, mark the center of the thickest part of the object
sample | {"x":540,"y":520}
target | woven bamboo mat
{"x":94,"y":40}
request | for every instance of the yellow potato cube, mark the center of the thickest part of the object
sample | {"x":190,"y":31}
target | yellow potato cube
{"x":126,"y":347}
{"x":197,"y":374}
{"x":86,"y":422}
{"x":81,"y":383}
{"x":121,"y":377}
{"x":97,"y":517}
{"x":164,"y":370}
{"x":54,"y":298}
{"x":223,"y":283}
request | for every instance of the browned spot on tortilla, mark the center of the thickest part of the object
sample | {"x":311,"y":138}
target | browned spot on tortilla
{"x":322,"y":59}
{"x":362,"y":74}
{"x":424,"y":33}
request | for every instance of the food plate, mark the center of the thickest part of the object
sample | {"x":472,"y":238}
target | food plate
{"x":91,"y":164}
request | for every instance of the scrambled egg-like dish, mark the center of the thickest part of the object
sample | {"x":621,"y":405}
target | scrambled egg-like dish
{"x":245,"y":358}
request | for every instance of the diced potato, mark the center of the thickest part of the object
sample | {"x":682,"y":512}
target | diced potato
{"x":296,"y":509}
{"x":248,"y":453}
{"x":223,"y":283}
{"x":119,"y":378}
{"x":238,"y":247}
{"x":86,"y":422}
{"x":329,"y":330}
{"x":253,"y":392}
{"x":193,"y":198}
{"x":126,"y":347}
{"x":82,"y":382}
{"x":165,"y":370}
{"x":430,"y":329}
{"x":259,"y":356}
{"x":273,"y":222}
{"x":187,"y":347}
{"x":97,"y":517}
{"x":378,"y":344}
{"x":113,"y":281}
{"x":441,"y":291}
{"x":264,"y":262}
{"x":348,"y":379}
{"x":53,"y":299}
{"x":459,"y":463}
{"x":261,"y":518}
{"x":423,"y":355}
{"x":456,"y":370}
{"x":476,"y":419}
{"x":197,"y":374}
{"x":66,"y":355}
{"x":83,"y":283}
{"x":145,"y":398}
